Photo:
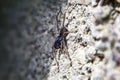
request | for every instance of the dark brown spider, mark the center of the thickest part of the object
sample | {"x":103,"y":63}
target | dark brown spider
{"x":61,"y":41}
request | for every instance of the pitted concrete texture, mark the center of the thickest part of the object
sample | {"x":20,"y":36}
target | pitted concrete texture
{"x":91,"y":43}
{"x":30,"y":29}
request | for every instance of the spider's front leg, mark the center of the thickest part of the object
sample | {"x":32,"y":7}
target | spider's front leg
{"x":58,"y":19}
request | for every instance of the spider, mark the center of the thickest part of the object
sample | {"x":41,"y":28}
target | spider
{"x":61,"y":41}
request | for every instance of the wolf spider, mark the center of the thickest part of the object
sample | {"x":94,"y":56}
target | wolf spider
{"x":61,"y":41}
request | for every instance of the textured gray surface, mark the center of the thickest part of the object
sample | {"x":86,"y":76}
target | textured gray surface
{"x":27,"y":35}
{"x":28,"y":31}
{"x":92,"y":45}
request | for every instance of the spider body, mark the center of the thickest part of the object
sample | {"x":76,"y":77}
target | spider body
{"x":60,"y":44}
{"x":58,"y":41}
{"x":60,"y":38}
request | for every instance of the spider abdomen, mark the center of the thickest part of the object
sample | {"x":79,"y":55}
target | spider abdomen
{"x":58,"y":41}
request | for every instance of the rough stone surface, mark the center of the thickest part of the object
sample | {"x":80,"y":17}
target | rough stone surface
{"x":30,"y":31}
{"x":91,"y":46}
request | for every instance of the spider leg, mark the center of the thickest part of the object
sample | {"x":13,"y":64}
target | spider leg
{"x":63,"y":46}
{"x":58,"y":20}
{"x":54,"y":56}
{"x":65,"y":16}
{"x":69,"y":58}
{"x":100,"y":3}
{"x":60,"y":52}
{"x":66,"y":51}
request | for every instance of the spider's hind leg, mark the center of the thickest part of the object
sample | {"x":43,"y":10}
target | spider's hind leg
{"x":66,"y":50}
{"x":55,"y":57}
